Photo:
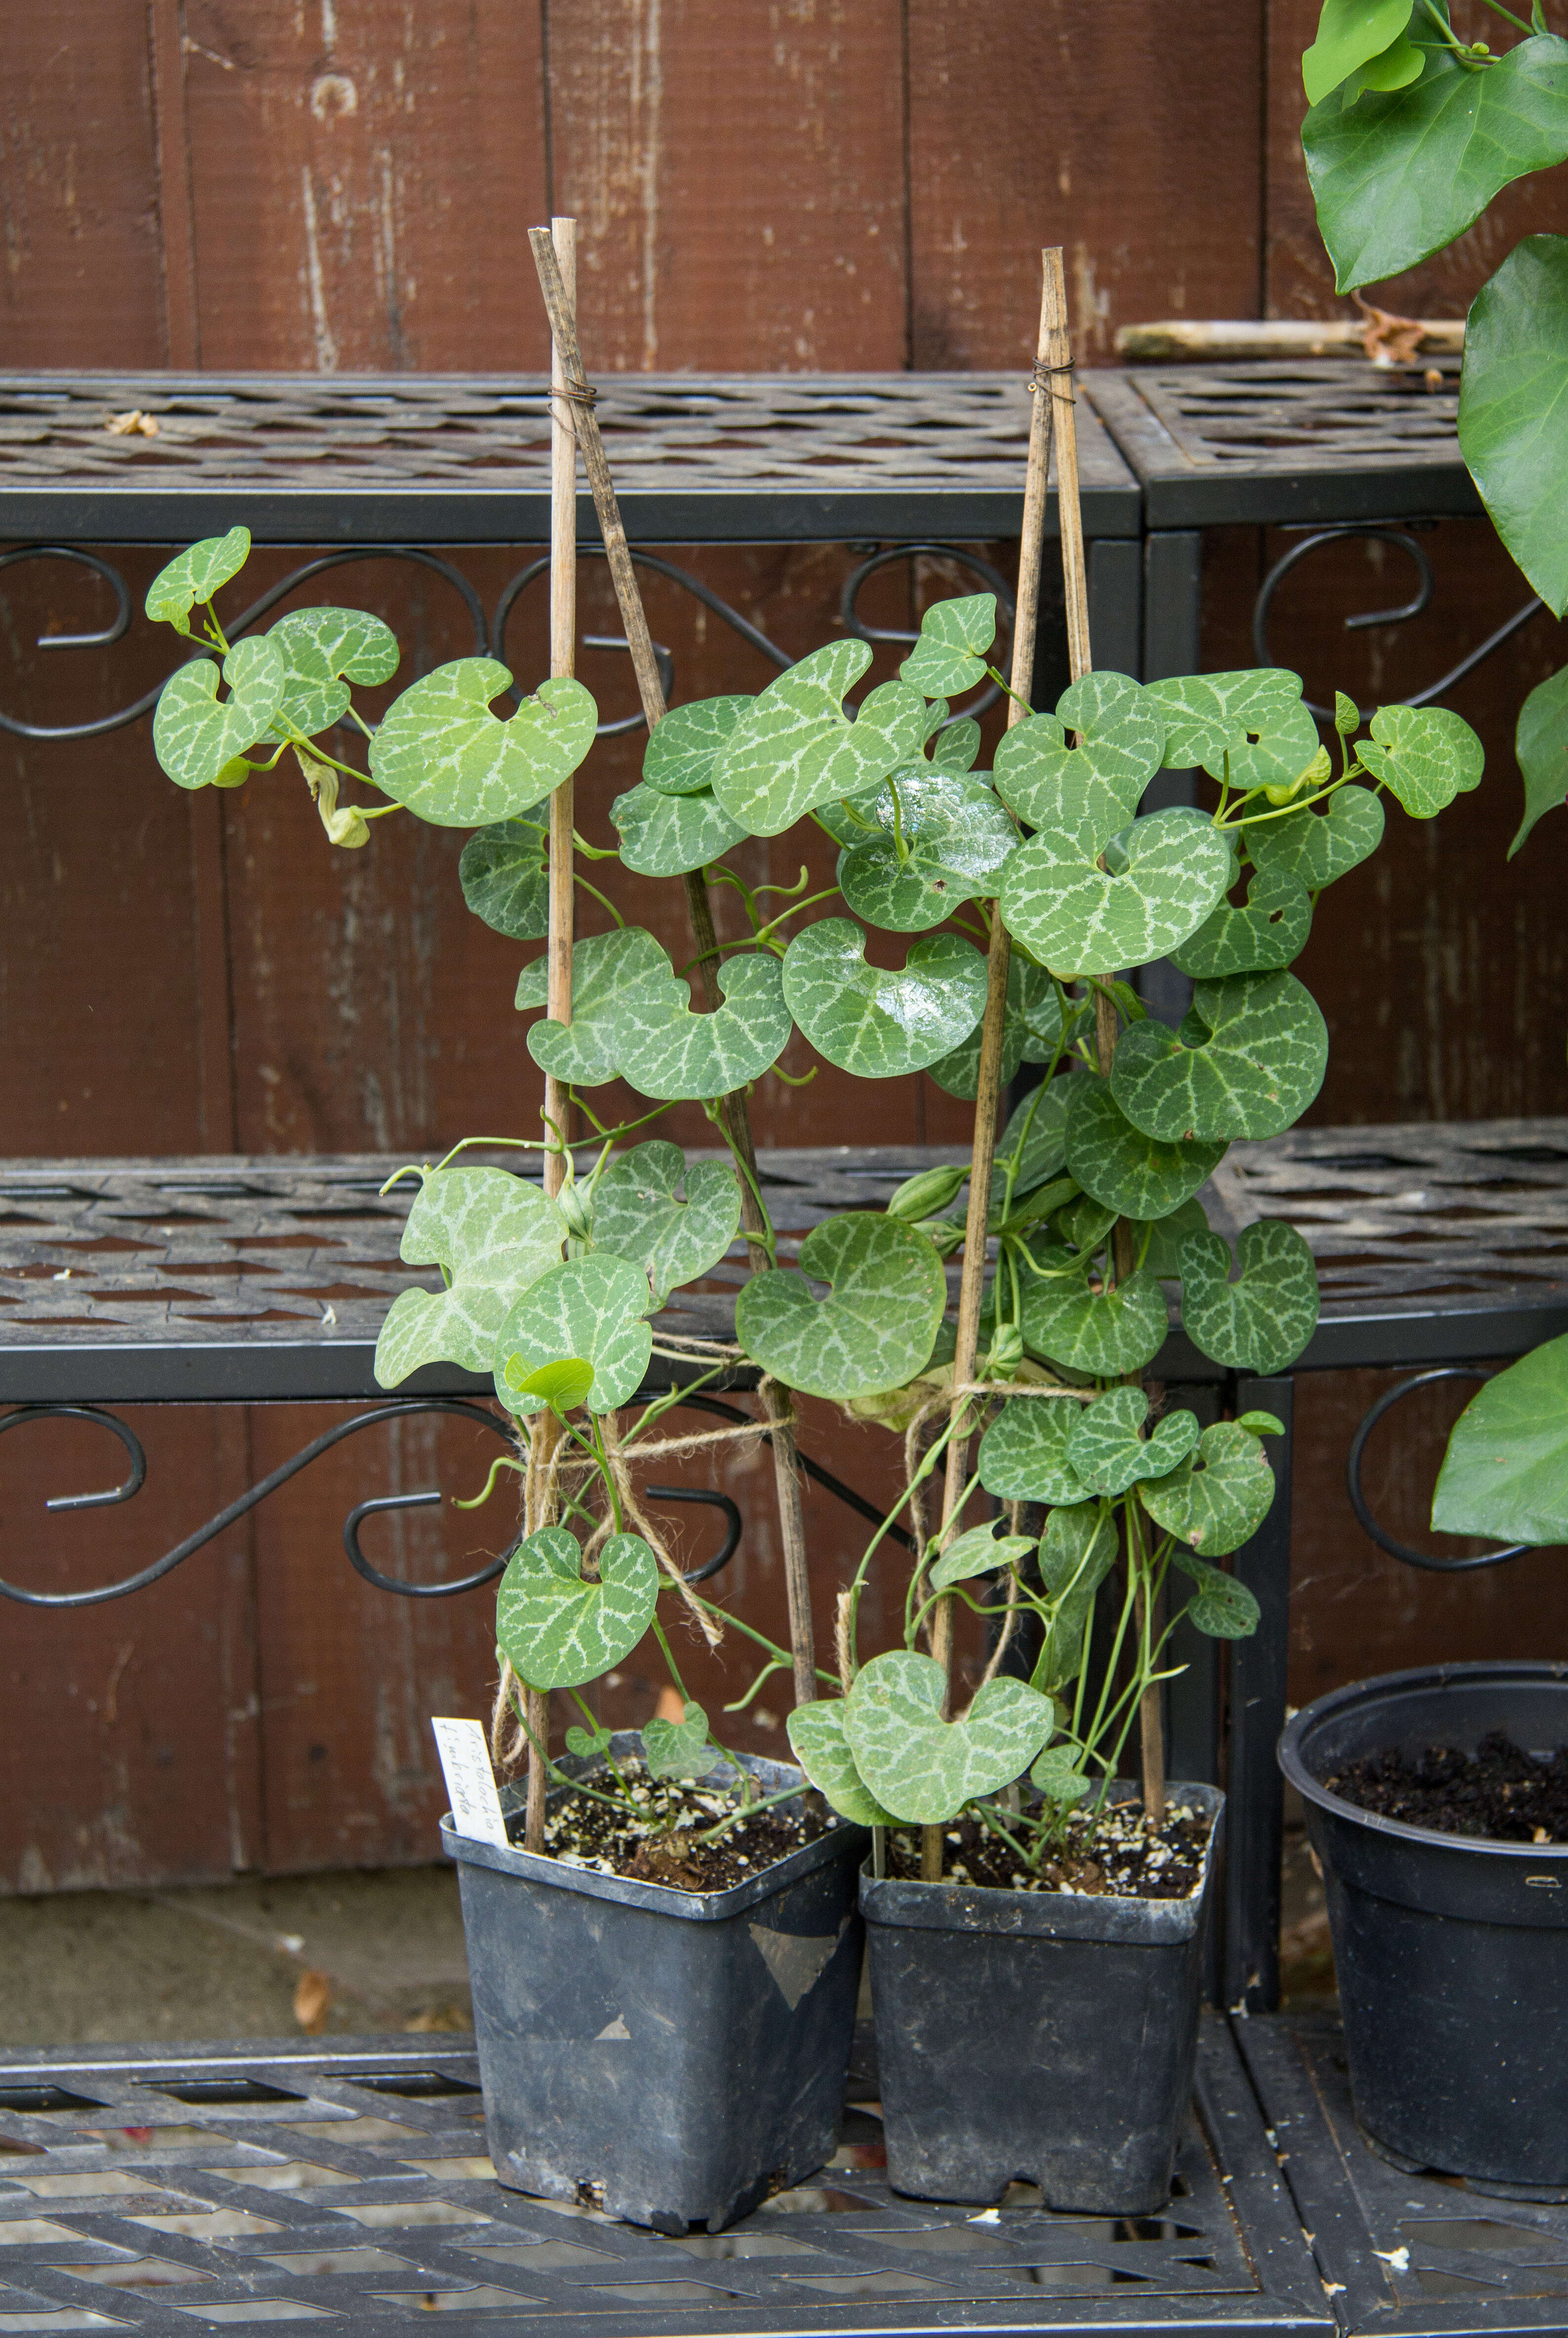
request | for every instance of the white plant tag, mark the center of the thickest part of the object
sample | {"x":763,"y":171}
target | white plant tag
{"x":470,"y":1781}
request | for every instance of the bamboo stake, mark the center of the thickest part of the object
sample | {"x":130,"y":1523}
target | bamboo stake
{"x":776,"y":1401}
{"x":971,"y":1288}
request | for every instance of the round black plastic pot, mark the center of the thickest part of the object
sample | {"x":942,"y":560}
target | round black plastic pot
{"x":1037,"y":2036}
{"x":672,"y":2057}
{"x":1452,"y":1950}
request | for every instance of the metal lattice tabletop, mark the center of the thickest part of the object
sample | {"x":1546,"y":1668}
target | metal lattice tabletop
{"x":465,"y":460}
{"x":178,"y":2188}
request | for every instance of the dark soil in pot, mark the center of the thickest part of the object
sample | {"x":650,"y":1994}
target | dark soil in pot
{"x":1113,"y":1854}
{"x":1499,"y":1790}
{"x":666,"y":1843}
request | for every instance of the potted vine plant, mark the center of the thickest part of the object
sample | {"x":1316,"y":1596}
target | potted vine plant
{"x":1443,"y":1843}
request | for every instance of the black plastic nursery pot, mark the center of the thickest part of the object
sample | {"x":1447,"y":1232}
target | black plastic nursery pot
{"x":672,"y":2057}
{"x":1452,"y":1950}
{"x":1037,"y":2036}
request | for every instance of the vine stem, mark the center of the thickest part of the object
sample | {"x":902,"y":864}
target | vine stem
{"x":992,"y":1030}
{"x":737,"y":1120}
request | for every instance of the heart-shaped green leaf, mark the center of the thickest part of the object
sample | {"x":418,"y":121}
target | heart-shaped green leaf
{"x":1250,"y":727}
{"x":1350,"y":32}
{"x":1317,"y":847}
{"x":1265,"y":936}
{"x":956,"y":637}
{"x":1541,"y":744}
{"x":1397,"y":176}
{"x":194,"y":575}
{"x":681,"y":751}
{"x":678,"y":1749}
{"x":1050,"y":784}
{"x":1425,"y":755}
{"x":1222,"y":1607}
{"x":1106,"y":1452}
{"x":1513,"y":399}
{"x":795,"y":748}
{"x":1023,"y":1455}
{"x":556,"y":1629}
{"x":952,"y":746}
{"x":690,"y":1055}
{"x":980,"y":1551}
{"x":1084,"y":899}
{"x":1106,"y":1332}
{"x":505,"y":874}
{"x":956,"y":841}
{"x":1217,"y":1498}
{"x":443,"y":753}
{"x":1059,"y":1781}
{"x":320,"y":646}
{"x":1077,"y":1553}
{"x":1261,"y":1323}
{"x":1162,"y":1255}
{"x":925,"y":1768}
{"x":876,"y":1328}
{"x":1248,"y":1061}
{"x":1506,"y":1472}
{"x":1030,"y":1034}
{"x":592,"y":1308}
{"x":621,"y":983}
{"x":818,"y":1741}
{"x":494,"y":1234}
{"x":588,"y":1744}
{"x":878,"y":1023}
{"x":639,"y":1213}
{"x":194,"y":735}
{"x":1120,"y":1167}
{"x":666,"y":835}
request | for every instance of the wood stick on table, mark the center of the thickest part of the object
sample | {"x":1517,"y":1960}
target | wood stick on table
{"x":993,"y":1029}
{"x":777,"y":1402}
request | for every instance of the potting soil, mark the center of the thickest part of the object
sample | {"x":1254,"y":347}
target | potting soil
{"x":1114,"y":1854}
{"x":1499,"y":1790}
{"x":665,"y":1845}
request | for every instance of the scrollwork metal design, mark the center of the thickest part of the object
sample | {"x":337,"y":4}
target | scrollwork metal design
{"x":1426,"y":1560}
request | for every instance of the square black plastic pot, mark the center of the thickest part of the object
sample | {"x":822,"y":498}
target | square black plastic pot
{"x":673,"y":2057}
{"x":1037,"y":2036}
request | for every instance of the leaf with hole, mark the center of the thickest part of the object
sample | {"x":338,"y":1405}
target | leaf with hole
{"x":1122,"y":1168}
{"x":1250,"y":727}
{"x":1106,"y":1451}
{"x":323,"y":651}
{"x":1219,"y":1497}
{"x":505,"y":873}
{"x":678,"y":1749}
{"x":1105,"y":1332}
{"x":1318,"y":847}
{"x":558,"y":1630}
{"x":684,"y":1054}
{"x":1023,"y":1455}
{"x":640,"y":1212}
{"x":876,"y":1022}
{"x":1424,"y":755}
{"x":194,"y":575}
{"x":666,"y":835}
{"x":1086,"y":898}
{"x":1248,"y":1061}
{"x":195,"y":734}
{"x":621,"y":983}
{"x":1221,"y":1608}
{"x":1265,"y":936}
{"x":493,"y":1234}
{"x":1350,"y":33}
{"x":442,"y":752}
{"x":1262,"y":1321}
{"x":925,"y":1768}
{"x":1514,"y":402}
{"x":1029,"y":1035}
{"x":957,"y":839}
{"x":1541,"y":744}
{"x":795,"y":748}
{"x":1506,"y":1472}
{"x":980,"y":1551}
{"x":684,"y":748}
{"x":956,"y":638}
{"x":592,"y":1308}
{"x":1050,"y":784}
{"x":876,"y":1328}
{"x":818,"y":1741}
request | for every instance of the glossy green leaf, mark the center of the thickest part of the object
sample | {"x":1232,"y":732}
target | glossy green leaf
{"x":678,"y":1749}
{"x":1424,"y":755}
{"x":1350,"y":32}
{"x":556,"y":1629}
{"x":795,"y":748}
{"x":980,"y":1551}
{"x":1217,"y":1498}
{"x":1083,"y":903}
{"x":1248,"y":1061}
{"x":684,"y":1054}
{"x":1394,"y":67}
{"x":1250,"y":726}
{"x":877,"y":1022}
{"x":1106,"y":1332}
{"x":950,"y":655}
{"x":1261,"y":1424}
{"x":1263,"y":1320}
{"x":666,"y":835}
{"x":1162,"y":1257}
{"x":1317,"y":847}
{"x":443,"y":753}
{"x":1030,"y":1034}
{"x":621,"y":983}
{"x":682,"y":750}
{"x":818,"y":1741}
{"x":956,"y":841}
{"x":195,"y":734}
{"x":323,"y":650}
{"x":592,"y":1308}
{"x":1222,"y":1609}
{"x":563,"y":1386}
{"x":1265,"y":936}
{"x":504,"y":873}
{"x":1049,"y":783}
{"x":1514,"y":400}
{"x":639,"y":1214}
{"x":1506,"y":1472}
{"x":194,"y":575}
{"x":1400,"y":174}
{"x":1541,"y":744}
{"x":1120,"y":1167}
{"x":925,"y":1768}
{"x":1106,"y":1451}
{"x":876,"y":1328}
{"x":1023,"y":1455}
{"x":494,"y":1234}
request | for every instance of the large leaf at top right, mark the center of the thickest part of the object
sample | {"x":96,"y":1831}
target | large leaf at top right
{"x":1247,"y":1061}
{"x":1505,"y":1472}
{"x":1399,"y":174}
{"x":1514,"y":401}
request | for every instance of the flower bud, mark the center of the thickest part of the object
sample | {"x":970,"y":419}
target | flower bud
{"x":945,"y":1235}
{"x":1006,"y":1348}
{"x":569,"y":1200}
{"x":931,"y":1189}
